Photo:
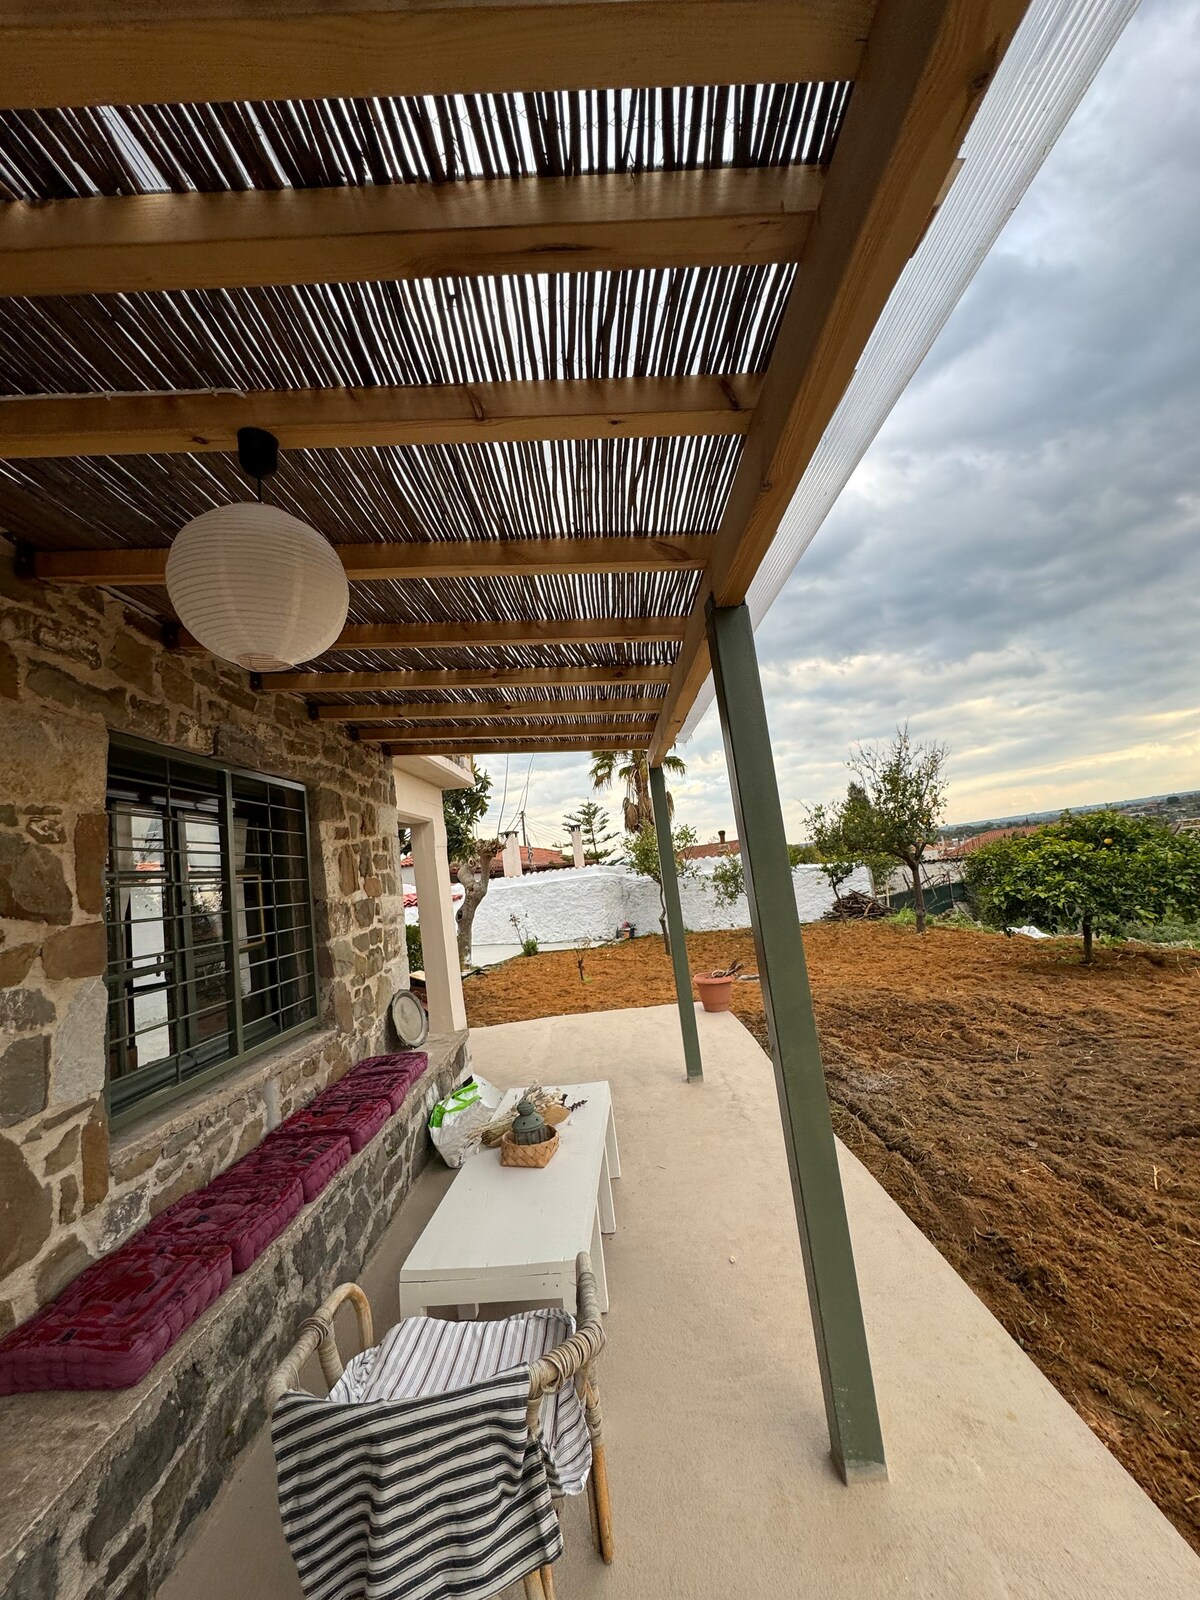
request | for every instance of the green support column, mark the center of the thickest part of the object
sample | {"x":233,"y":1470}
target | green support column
{"x":854,"y":1434}
{"x":675,"y":934}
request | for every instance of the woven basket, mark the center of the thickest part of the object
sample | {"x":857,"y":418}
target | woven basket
{"x":513,"y":1154}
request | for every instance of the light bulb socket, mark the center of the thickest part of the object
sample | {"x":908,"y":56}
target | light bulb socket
{"x":258,"y":452}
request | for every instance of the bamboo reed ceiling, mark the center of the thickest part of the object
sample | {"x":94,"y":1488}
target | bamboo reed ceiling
{"x":698,"y":307}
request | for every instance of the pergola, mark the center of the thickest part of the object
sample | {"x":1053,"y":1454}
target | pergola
{"x":549,"y":305}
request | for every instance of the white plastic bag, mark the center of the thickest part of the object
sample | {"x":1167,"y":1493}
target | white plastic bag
{"x":457,"y":1122}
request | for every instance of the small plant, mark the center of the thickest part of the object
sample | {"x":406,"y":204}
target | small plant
{"x":527,"y":941}
{"x":905,"y":918}
{"x":416,"y":956}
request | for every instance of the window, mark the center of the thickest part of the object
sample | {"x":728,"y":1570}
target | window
{"x":210,"y":950}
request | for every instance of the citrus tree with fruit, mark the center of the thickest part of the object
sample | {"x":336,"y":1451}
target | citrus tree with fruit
{"x":1088,"y":873}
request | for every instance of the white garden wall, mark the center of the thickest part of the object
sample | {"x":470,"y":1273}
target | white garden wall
{"x":563,"y":909}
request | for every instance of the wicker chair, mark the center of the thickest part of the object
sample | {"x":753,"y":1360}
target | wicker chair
{"x":568,"y":1362}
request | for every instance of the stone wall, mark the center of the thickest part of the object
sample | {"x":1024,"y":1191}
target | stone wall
{"x":75,"y":665}
{"x":104,"y":1486}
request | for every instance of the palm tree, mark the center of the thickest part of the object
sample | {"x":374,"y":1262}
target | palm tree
{"x":632,"y":768}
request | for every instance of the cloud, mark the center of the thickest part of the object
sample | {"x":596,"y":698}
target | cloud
{"x":1015,"y":565}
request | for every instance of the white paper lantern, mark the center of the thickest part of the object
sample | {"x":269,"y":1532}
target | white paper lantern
{"x":257,"y":586}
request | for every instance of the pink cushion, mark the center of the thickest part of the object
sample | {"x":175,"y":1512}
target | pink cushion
{"x":359,"y":1118}
{"x":109,"y":1327}
{"x":313,"y":1158}
{"x":242,"y":1210}
{"x":392,"y":1075}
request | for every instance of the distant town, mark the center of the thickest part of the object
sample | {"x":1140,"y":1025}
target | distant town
{"x":1173,"y":809}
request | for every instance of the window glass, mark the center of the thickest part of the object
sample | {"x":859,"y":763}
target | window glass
{"x":208,"y":912}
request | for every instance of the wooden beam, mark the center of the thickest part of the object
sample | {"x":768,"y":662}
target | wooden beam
{"x":506,"y":710}
{"x":464,"y":734}
{"x":115,"y":52}
{"x":519,"y":744}
{"x":456,"y":635}
{"x":440,"y":558}
{"x":316,"y":419}
{"x":458,"y":678}
{"x":595,"y":222}
{"x":925,"y":70}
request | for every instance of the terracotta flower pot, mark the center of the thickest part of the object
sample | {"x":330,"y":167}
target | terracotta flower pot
{"x":716,"y":994}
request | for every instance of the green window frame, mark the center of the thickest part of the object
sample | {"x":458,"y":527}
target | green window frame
{"x":208,"y":909}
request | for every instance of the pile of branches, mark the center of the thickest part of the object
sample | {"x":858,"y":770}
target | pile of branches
{"x":855,"y":907}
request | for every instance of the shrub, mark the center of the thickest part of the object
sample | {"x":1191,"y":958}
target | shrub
{"x":529,"y":945}
{"x":416,"y":956}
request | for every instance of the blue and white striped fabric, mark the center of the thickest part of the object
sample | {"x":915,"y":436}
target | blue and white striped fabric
{"x":416,"y":1479}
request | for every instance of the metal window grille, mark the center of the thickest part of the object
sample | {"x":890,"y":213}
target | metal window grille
{"x":209,"y":916}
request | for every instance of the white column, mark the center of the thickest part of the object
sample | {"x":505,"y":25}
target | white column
{"x":512,"y":856}
{"x":439,"y":932}
{"x":577,"y":846}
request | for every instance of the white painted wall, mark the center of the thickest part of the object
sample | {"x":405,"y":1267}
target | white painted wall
{"x":562,"y":909}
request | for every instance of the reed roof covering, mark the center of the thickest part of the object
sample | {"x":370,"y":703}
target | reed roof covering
{"x":556,"y":355}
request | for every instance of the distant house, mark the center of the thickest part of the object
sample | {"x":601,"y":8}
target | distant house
{"x":533,"y":859}
{"x":960,"y":849}
{"x":720,"y":846}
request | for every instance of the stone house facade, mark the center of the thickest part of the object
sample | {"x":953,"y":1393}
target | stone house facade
{"x":77,"y":668}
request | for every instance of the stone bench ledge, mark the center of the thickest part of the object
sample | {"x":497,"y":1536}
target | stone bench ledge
{"x":99,"y":1486}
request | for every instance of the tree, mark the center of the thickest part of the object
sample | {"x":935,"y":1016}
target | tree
{"x":1095,"y":872}
{"x":827,"y":825}
{"x":641,"y":856}
{"x":632,"y":768}
{"x":894,"y":805}
{"x":592,"y":821}
{"x":728,"y":877}
{"x":463,"y":810}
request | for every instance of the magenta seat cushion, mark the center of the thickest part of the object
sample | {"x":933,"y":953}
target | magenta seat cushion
{"x":312,"y":1158}
{"x":109,"y":1327}
{"x":358,"y":1117}
{"x":242,"y":1210}
{"x":391,"y":1075}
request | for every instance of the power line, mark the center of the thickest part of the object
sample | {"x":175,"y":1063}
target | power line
{"x":504,"y":796}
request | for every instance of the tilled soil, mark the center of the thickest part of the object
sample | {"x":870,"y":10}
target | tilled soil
{"x":1039,"y":1121}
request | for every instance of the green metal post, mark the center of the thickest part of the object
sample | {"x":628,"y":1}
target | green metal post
{"x":675,"y":934}
{"x":854,"y":1433}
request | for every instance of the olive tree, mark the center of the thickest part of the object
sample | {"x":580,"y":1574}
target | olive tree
{"x":470,"y":854}
{"x":894,"y":805}
{"x":1093,"y":873}
{"x":641,"y":856}
{"x":826,"y":824}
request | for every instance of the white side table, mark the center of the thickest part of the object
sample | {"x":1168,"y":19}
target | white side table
{"x":511,"y":1233}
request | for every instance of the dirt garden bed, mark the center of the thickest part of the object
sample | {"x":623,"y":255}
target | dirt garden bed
{"x":1040,"y":1122}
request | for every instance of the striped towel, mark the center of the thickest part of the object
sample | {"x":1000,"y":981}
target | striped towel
{"x":416,"y":1479}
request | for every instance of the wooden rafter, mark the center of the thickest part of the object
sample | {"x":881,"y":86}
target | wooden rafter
{"x":477,"y":710}
{"x":925,"y":70}
{"x":597,"y":221}
{"x":519,"y":744}
{"x":480,"y":413}
{"x":157,"y":51}
{"x":464,"y":732}
{"x":443,"y":558}
{"x":470,"y":635}
{"x":459,"y":678}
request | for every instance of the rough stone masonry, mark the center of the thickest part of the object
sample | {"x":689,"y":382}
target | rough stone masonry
{"x":76,"y":665}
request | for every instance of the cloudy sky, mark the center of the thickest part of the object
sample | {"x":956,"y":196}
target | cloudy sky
{"x":1015,"y":566}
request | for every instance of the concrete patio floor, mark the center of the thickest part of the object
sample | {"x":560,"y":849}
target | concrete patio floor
{"x":718,"y":1455}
